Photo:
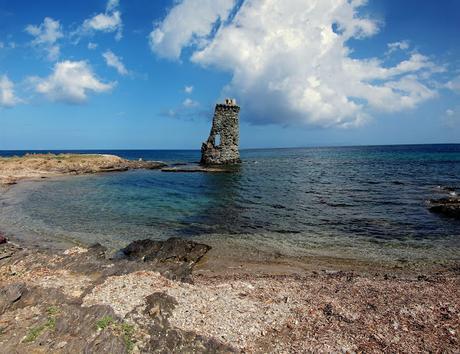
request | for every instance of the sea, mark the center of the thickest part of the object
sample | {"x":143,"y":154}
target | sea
{"x":360,"y":203}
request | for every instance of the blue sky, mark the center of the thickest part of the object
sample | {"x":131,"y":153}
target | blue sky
{"x":146,"y":74}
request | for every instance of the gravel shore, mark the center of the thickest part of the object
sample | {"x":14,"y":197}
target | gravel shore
{"x":82,"y":300}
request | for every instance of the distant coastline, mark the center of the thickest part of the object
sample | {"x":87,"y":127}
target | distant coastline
{"x":20,"y":152}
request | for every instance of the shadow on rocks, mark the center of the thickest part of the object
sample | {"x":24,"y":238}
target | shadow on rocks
{"x":166,"y":339}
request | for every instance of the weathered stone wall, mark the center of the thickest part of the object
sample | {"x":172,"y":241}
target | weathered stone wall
{"x":222,"y":146}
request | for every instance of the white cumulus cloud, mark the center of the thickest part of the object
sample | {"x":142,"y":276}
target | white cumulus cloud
{"x":188,"y":89}
{"x":108,"y":21}
{"x":70,"y":82}
{"x":189,"y":21}
{"x":115,"y":62}
{"x":290,"y":62}
{"x":46,"y":36}
{"x":7,"y":95}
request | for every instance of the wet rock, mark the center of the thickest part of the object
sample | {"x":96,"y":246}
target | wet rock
{"x":3,"y":239}
{"x":173,"y":249}
{"x":449,"y":207}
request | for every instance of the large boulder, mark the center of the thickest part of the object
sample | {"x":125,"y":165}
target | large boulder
{"x":173,"y":249}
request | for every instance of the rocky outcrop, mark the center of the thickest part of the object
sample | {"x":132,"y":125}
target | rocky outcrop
{"x":32,"y":166}
{"x":222,"y":146}
{"x":173,"y":249}
{"x":449,"y":207}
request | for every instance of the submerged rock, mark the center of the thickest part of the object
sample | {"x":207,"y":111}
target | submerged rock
{"x":446,"y":206}
{"x":173,"y":249}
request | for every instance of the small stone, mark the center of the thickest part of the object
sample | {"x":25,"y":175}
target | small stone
{"x":61,"y":345}
{"x":3,"y":239}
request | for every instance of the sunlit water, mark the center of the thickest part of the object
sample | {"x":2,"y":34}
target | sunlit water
{"x":360,"y":202}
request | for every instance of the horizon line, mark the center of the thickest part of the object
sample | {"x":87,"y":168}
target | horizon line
{"x":241,"y":149}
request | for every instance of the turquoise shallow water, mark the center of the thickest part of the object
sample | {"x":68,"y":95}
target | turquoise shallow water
{"x":355,"y":202}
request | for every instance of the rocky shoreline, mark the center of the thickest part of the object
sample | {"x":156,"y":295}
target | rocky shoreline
{"x":34,"y":166}
{"x":147,"y":298}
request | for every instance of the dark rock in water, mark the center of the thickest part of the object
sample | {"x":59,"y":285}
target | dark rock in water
{"x":174,"y":249}
{"x":179,"y":164}
{"x":3,"y":239}
{"x":446,"y":206}
{"x":447,"y":188}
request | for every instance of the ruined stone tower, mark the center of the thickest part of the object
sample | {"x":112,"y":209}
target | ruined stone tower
{"x":222,"y":145}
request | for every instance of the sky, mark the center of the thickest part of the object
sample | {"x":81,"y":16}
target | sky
{"x":142,"y":74}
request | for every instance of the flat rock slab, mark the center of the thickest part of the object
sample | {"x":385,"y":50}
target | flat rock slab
{"x":199,"y":168}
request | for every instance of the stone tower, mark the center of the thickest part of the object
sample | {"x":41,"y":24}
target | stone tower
{"x":222,"y":145}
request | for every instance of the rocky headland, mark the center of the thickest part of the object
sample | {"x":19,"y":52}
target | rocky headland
{"x":35,"y":166}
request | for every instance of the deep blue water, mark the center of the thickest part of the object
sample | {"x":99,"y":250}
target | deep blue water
{"x":348,"y":201}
